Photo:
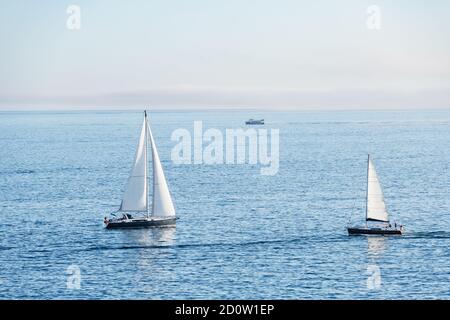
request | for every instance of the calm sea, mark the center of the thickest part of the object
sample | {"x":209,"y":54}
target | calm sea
{"x":241,"y":234}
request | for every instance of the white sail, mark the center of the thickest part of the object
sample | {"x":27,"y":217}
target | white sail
{"x":136,"y":195}
{"x":162,"y":201}
{"x":376,"y":208}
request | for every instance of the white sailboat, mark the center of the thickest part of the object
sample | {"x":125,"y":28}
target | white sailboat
{"x":136,"y":199}
{"x":375,"y":208}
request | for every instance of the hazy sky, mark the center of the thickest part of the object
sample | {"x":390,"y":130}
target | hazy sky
{"x":288,"y":54}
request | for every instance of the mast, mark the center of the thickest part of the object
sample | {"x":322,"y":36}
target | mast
{"x":367,"y":185}
{"x":153,"y":170}
{"x":146,"y":157}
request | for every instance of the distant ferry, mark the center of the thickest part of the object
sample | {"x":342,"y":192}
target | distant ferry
{"x":253,"y":121}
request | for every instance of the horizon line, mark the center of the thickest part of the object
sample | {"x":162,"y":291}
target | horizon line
{"x":215,"y":109}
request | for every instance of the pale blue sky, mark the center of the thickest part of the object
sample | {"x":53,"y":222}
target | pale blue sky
{"x":287,"y":54}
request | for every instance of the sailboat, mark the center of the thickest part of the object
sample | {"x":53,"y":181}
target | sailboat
{"x":135,"y":200}
{"x":375,"y":208}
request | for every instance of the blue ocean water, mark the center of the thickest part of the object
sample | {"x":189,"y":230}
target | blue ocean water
{"x":241,"y":235}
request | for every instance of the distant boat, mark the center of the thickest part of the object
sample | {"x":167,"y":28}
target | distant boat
{"x":375,"y":208}
{"x":136,"y":200}
{"x":253,"y":121}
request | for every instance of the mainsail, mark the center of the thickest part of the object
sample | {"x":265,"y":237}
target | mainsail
{"x":376,"y":208}
{"x":136,"y":193}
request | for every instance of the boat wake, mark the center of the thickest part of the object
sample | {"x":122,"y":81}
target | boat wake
{"x":428,"y":235}
{"x":304,"y":240}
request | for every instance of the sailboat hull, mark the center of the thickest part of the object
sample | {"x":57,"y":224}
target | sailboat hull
{"x":141,"y":223}
{"x":377,"y":231}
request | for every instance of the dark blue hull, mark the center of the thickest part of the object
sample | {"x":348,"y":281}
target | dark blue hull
{"x":379,"y":231}
{"x":254,"y":122}
{"x":141,"y":223}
